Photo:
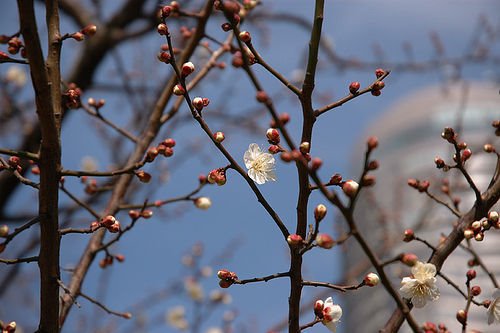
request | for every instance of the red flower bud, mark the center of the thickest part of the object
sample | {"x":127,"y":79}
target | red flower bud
{"x":354,"y":87}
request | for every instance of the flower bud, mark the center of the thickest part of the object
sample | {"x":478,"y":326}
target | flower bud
{"x":471,"y":274}
{"x":489,"y":148}
{"x":219,"y":137}
{"x":375,"y":92}
{"x":273,"y":135}
{"x":316,"y":163}
{"x":274,"y":149}
{"x":78,"y":36}
{"x":89,"y":30}
{"x":479,"y":237}
{"x":379,"y":72}
{"x":372,"y":142}
{"x":336,"y":179}
{"x":466,"y":154}
{"x":223,"y":274}
{"x":187,"y":68}
{"x":371,"y":279}
{"x":373,"y":165}
{"x":305,"y":147}
{"x":318,"y":308}
{"x":262,"y":96}
{"x":11,"y":327}
{"x":409,"y":259}
{"x":203,"y":203}
{"x":151,"y":154}
{"x":439,"y":162}
{"x":120,"y":257}
{"x":4,"y":230}
{"x":143,"y":176}
{"x":368,"y":180}
{"x":286,"y":156}
{"x":354,"y":87}
{"x":320,"y":212}
{"x":245,"y":37}
{"x":493,"y":217}
{"x":475,"y":290}
{"x":284,"y":118}
{"x":294,"y":239}
{"x":468,"y":233}
{"x":114,"y":228}
{"x":164,"y":57}
{"x":165,"y":11}
{"x":449,"y":134}
{"x":94,"y":226}
{"x":462,"y":316}
{"x":379,"y":85}
{"x":325,"y":241}
{"x":108,"y":221}
{"x":225,"y":284}
{"x":409,"y":235}
{"x":148,"y":213}
{"x":179,"y":90}
{"x":350,"y":188}
{"x":226,"y":27}
{"x":162,"y":29}
{"x":198,"y":103}
{"x":134,"y":214}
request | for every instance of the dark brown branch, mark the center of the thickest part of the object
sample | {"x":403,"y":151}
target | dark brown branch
{"x":263,"y":279}
{"x":333,"y":286}
{"x":18,"y":261}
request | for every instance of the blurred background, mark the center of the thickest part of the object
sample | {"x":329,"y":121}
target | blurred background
{"x":171,"y":259}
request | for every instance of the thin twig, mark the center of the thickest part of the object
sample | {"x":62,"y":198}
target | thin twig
{"x":263,"y":279}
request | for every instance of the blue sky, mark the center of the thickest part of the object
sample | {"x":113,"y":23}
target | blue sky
{"x":154,"y":248}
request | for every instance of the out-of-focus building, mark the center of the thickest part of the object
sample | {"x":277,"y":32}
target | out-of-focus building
{"x":409,"y":140}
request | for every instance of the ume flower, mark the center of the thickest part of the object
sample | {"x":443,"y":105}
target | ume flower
{"x":422,"y":286}
{"x":260,"y":165}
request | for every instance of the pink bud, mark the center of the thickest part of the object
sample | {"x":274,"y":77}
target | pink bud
{"x":198,"y":103}
{"x":305,"y":147}
{"x":320,"y":212}
{"x":245,"y":37}
{"x":409,"y":235}
{"x":94,"y":226}
{"x":471,"y":274}
{"x":114,"y":228}
{"x":179,"y":90}
{"x":354,"y":87}
{"x":262,"y":96}
{"x":164,"y":57}
{"x":273,"y":135}
{"x":372,"y":142}
{"x":143,"y":176}
{"x":316,"y":163}
{"x":108,"y":221}
{"x":371,"y":279}
{"x":468,"y":233}
{"x":89,"y":30}
{"x":134,"y":214}
{"x":294,"y":239}
{"x":318,"y":308}
{"x":78,"y":36}
{"x":165,"y":11}
{"x":475,"y":290}
{"x":462,"y":316}
{"x":379,"y":72}
{"x":187,"y":68}
{"x":147,"y":213}
{"x":466,"y":154}
{"x":350,"y":188}
{"x":336,"y":179}
{"x":409,"y":259}
{"x":274,"y":149}
{"x":325,"y":241}
{"x":219,"y":137}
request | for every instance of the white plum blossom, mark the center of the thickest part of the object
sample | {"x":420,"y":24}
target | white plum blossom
{"x":331,"y":314}
{"x":203,"y":203}
{"x":176,"y":318}
{"x":494,"y":308}
{"x":422,"y":286}
{"x":260,"y":165}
